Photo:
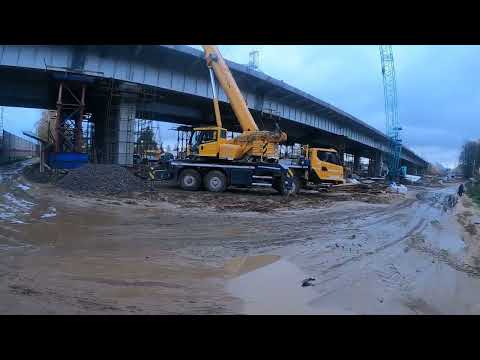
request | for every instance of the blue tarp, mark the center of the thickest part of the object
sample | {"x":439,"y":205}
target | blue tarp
{"x":67,"y":160}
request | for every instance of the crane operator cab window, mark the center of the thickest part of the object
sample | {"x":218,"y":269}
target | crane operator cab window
{"x":201,"y":137}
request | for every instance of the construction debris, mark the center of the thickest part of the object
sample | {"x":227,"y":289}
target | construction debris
{"x":412,"y":178}
{"x":399,"y":189}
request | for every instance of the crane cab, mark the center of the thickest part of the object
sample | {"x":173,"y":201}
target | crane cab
{"x":212,"y":142}
{"x":205,"y":141}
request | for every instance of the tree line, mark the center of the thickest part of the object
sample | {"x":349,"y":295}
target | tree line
{"x":470,"y":158}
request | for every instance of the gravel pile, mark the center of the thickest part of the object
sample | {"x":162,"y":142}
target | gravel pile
{"x":102,"y":178}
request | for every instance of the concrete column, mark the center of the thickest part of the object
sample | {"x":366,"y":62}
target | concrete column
{"x":371,"y":165}
{"x":378,"y":166}
{"x":100,"y":139}
{"x":125,"y":133}
{"x":356,"y":163}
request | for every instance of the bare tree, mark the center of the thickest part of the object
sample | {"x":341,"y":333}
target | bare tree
{"x":470,"y":158}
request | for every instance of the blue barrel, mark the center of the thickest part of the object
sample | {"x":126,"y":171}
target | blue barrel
{"x":67,"y":160}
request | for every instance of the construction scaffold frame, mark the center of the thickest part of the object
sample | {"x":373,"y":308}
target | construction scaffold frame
{"x":128,"y":133}
{"x":68,"y":133}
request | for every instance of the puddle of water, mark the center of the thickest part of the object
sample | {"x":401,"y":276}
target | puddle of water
{"x":275,"y":288}
{"x":445,"y":234}
{"x":450,"y":291}
{"x":245,"y":264}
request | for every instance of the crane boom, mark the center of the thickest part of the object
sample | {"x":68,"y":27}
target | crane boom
{"x":215,"y":60}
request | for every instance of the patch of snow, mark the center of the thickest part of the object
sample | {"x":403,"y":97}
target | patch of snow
{"x":23,"y":187}
{"x":51,"y":213}
{"x":20,"y":203}
{"x":10,"y":217}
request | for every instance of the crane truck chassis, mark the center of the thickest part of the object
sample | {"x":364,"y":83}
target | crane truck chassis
{"x":217,"y":176}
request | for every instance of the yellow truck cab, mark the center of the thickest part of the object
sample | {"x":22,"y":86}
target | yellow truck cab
{"x":317,"y":166}
{"x":325,"y":166}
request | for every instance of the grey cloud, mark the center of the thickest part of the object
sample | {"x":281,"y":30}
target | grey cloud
{"x":437,"y":86}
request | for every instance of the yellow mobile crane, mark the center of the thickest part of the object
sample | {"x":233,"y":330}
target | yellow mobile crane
{"x":212,"y":142}
{"x":250,"y":159}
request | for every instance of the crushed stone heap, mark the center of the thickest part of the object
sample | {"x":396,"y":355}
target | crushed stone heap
{"x":102,"y":178}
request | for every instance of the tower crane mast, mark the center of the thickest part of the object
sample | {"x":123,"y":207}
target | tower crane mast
{"x":391,"y":110}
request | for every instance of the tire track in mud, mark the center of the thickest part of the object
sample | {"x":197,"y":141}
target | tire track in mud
{"x":300,"y":229}
{"x":47,"y":296}
{"x":417,"y":228}
{"x":443,"y":256}
{"x":142,"y":283}
{"x":334,"y":217}
{"x":446,"y":203}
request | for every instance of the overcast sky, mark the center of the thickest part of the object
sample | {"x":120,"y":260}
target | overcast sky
{"x":438,"y":100}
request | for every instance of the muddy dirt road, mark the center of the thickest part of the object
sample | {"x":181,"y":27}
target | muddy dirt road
{"x":183,"y":253}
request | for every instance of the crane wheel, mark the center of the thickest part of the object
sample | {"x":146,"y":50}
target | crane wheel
{"x":215,"y":181}
{"x":190,"y":180}
{"x":280,"y":187}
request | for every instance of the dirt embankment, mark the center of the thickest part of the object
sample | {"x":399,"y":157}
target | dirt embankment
{"x":468,"y":216}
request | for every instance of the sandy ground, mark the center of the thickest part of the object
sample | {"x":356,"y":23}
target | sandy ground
{"x":176,"y":252}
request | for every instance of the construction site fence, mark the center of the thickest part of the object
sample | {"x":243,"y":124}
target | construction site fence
{"x":15,"y":148}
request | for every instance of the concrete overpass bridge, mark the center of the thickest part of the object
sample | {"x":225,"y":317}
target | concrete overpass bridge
{"x":171,"y":83}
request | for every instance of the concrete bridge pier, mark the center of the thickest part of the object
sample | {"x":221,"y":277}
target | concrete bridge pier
{"x":114,"y":118}
{"x":375,"y":165}
{"x":356,"y":163}
{"x":124,"y":133}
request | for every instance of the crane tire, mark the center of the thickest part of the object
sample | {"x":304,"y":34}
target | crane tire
{"x":280,"y":187}
{"x":190,"y":179}
{"x":215,"y":181}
